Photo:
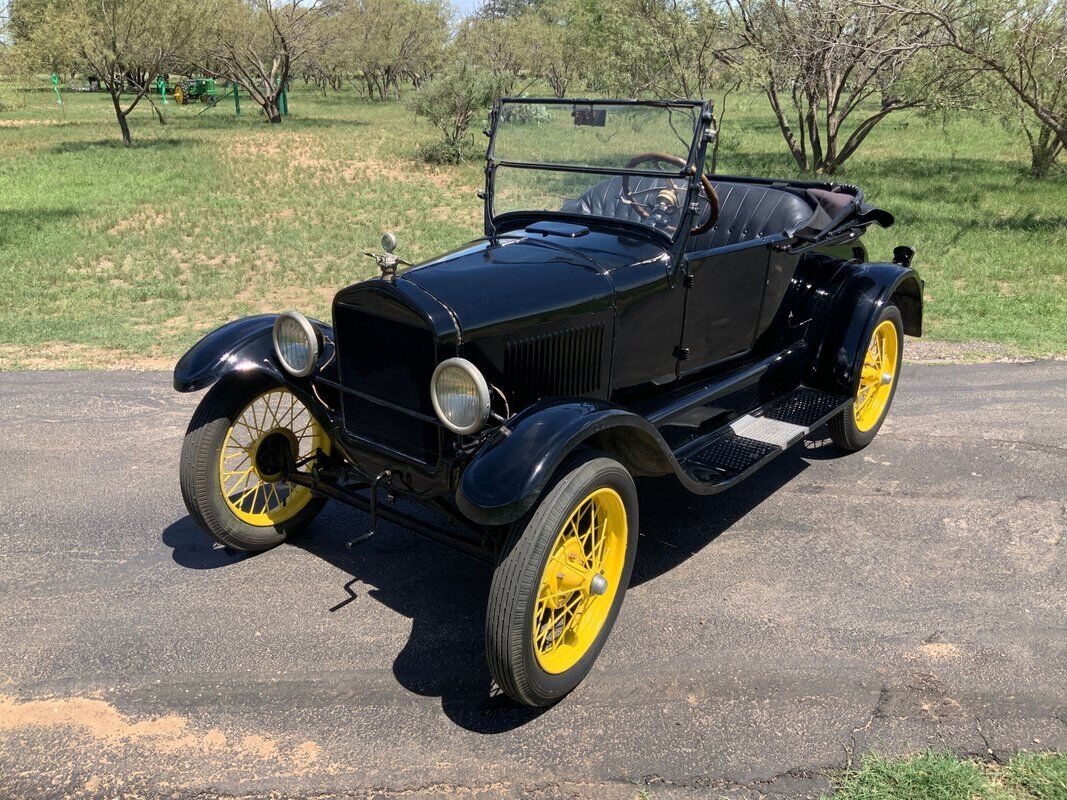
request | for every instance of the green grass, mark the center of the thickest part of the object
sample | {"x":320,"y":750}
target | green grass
{"x":939,"y":775}
{"x":1039,"y":775}
{"x":113,"y":255}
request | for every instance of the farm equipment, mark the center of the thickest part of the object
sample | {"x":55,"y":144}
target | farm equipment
{"x":191,"y":89}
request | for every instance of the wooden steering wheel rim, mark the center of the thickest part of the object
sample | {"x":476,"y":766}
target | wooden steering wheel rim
{"x":705,"y":183}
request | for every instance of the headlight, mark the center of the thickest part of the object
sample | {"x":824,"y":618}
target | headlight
{"x":295,"y":343}
{"x":460,"y":395}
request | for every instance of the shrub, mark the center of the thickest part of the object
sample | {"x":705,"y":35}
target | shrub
{"x":450,"y":101}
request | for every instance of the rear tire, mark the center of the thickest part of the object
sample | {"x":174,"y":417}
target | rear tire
{"x":857,"y":425}
{"x":548,"y":616}
{"x":277,"y":509}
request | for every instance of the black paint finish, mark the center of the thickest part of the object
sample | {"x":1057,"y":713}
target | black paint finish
{"x":591,"y":333}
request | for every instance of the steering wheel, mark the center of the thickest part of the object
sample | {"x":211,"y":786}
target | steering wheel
{"x":644,"y":211}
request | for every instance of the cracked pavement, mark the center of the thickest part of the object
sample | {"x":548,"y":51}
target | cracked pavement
{"x":908,"y":595}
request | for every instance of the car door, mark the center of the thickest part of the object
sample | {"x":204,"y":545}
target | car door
{"x":724,"y":294}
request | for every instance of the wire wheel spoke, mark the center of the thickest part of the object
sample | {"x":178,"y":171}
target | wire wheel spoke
{"x":580,"y":580}
{"x":253,"y":499}
{"x":877,"y":376}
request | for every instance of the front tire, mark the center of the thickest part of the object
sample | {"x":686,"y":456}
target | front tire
{"x":231,"y":463}
{"x":560,"y":583}
{"x":856,"y":426}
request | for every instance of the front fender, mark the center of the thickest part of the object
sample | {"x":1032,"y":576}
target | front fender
{"x":244,"y":345}
{"x":849,"y":321}
{"x":508,"y":474}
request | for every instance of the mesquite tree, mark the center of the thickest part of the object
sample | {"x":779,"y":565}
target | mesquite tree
{"x":664,"y":48}
{"x":1023,"y":44}
{"x":833,"y":69}
{"x":127,"y":44}
{"x":394,"y":41}
{"x":256,"y":44}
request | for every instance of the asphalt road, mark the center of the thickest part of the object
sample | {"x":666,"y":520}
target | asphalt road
{"x":909,"y":595}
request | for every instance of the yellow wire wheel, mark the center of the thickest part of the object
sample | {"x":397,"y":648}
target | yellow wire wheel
{"x":878,"y":375}
{"x":579,"y":582}
{"x":561,"y":580}
{"x":879,"y":372}
{"x":242,"y":435}
{"x":251,"y":485}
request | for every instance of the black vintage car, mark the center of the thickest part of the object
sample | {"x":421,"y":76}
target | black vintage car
{"x":625,"y":315}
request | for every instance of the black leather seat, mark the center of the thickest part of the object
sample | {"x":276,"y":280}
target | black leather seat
{"x":746,"y":210}
{"x":605,"y":199}
{"x":750,"y":211}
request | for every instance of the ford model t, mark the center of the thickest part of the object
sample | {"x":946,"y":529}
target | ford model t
{"x":624,"y":315}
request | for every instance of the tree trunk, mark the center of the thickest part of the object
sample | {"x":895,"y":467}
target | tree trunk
{"x":798,"y":152}
{"x":1044,"y":150}
{"x":125,"y":128}
{"x":1042,"y":159}
{"x":272,"y":110}
{"x":120,"y":115}
{"x":159,"y":114}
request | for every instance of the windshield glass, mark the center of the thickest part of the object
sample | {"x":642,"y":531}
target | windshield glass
{"x":591,"y":134}
{"x":576,"y":158}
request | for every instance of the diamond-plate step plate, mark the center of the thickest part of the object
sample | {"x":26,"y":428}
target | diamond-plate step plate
{"x":725,"y":456}
{"x":769,"y":431}
{"x":804,"y":407}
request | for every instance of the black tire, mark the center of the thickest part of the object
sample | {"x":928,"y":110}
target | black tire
{"x":516,"y":582}
{"x":199,"y":469}
{"x":843,"y":429}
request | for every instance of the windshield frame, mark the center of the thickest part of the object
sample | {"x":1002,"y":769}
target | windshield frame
{"x":690,"y":172}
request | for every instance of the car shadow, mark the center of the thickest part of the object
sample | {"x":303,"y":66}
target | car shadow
{"x":444,"y":593}
{"x":192,"y":549}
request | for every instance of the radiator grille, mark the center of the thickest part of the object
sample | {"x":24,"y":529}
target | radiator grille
{"x":391,"y":359}
{"x":561,"y":363}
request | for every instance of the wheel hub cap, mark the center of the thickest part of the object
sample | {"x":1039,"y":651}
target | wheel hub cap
{"x":269,"y":456}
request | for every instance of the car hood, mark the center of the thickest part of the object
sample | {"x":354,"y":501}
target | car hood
{"x":518,"y":279}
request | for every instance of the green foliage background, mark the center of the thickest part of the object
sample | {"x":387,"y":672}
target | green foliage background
{"x":112,"y":255}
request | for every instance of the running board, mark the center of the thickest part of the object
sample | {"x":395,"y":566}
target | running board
{"x":732,"y":453}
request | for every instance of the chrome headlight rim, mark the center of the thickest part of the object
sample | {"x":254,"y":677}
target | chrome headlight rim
{"x":481,"y":387}
{"x":309,"y":331}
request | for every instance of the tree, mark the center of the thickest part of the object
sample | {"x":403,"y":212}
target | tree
{"x":5,"y":47}
{"x":662,"y":48}
{"x":501,"y":46}
{"x":504,"y":9}
{"x":4,"y":59}
{"x":837,"y":69}
{"x":127,"y":44}
{"x":560,"y":54}
{"x":1023,"y":44}
{"x":257,"y":43}
{"x":332,"y":62}
{"x":20,"y":17}
{"x":666,"y":48}
{"x":395,"y":40}
{"x":450,"y":101}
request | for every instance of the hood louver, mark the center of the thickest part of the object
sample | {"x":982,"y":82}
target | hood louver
{"x":558,"y":364}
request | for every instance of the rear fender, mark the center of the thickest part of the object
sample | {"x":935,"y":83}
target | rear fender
{"x":509,"y":473}
{"x":244,"y":345}
{"x":848,"y":321}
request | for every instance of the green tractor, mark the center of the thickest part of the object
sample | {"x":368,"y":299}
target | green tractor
{"x":191,"y":89}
